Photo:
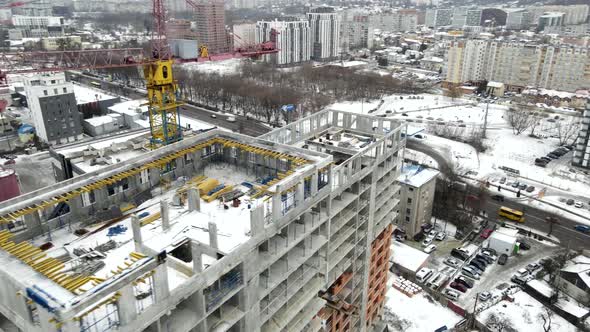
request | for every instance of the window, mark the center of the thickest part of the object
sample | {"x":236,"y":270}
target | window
{"x":411,"y":189}
{"x":55,"y":90}
{"x":408,"y":211}
{"x":407,"y":218}
{"x":45,"y":92}
{"x":409,"y":200}
{"x":52,"y":81}
{"x":66,"y":90}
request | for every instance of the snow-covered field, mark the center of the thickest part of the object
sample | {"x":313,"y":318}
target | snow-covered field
{"x":416,"y":314}
{"x":524,"y":314}
{"x":225,"y":67}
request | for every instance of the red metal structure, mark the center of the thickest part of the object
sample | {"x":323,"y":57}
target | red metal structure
{"x":15,"y":4}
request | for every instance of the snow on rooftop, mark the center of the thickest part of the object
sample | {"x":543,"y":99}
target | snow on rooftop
{"x":349,"y":64}
{"x":101,"y":120}
{"x":407,"y":257}
{"x":503,"y":237}
{"x":581,"y":266}
{"x":523,"y":314}
{"x":495,"y":84}
{"x":85,"y":95}
{"x":224,"y":67}
{"x":542,"y":287}
{"x":418,"y":313}
{"x":572,"y":307}
{"x":416,"y":176}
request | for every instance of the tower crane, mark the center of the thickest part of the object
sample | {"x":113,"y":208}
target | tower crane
{"x":162,"y":90}
{"x":16,"y":4}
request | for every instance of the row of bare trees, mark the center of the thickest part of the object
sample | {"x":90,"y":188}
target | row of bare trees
{"x":527,"y":118}
{"x":260,"y":90}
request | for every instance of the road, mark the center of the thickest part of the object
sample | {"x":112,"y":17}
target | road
{"x":535,"y":217}
{"x":241,"y":125}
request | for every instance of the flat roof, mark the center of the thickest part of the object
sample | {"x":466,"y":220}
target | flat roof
{"x":407,"y":257}
{"x":417,"y":176}
{"x":85,"y":95}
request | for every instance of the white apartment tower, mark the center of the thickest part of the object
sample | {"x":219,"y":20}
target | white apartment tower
{"x":244,"y":34}
{"x":293,"y":39}
{"x":325,"y":33}
{"x":53,"y":108}
{"x":418,"y":186}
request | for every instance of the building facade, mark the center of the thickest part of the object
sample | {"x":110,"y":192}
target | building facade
{"x":440,"y":17}
{"x":361,"y":32}
{"x":519,"y":19}
{"x":582,"y":147}
{"x":518,"y":65}
{"x":37,"y":26}
{"x":303,"y":246}
{"x":53,"y":107}
{"x":210,"y":21}
{"x":325,"y":33}
{"x":466,"y":17}
{"x":293,"y":39}
{"x":553,"y":21}
{"x":244,"y":34}
{"x":416,"y":198}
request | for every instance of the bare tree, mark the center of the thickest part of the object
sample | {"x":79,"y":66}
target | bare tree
{"x":499,"y":323}
{"x":546,"y":317}
{"x":567,"y":130}
{"x":536,"y":118}
{"x":519,"y":120}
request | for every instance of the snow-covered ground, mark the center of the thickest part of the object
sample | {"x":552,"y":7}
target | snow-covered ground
{"x":416,"y":314}
{"x":225,"y":67}
{"x":524,"y":314}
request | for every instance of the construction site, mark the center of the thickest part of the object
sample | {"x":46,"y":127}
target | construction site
{"x":289,"y":231}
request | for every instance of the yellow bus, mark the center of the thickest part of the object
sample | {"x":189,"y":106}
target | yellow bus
{"x":511,"y":214}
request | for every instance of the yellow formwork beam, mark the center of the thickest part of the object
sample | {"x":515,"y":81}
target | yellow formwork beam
{"x":28,"y":252}
{"x":50,"y":267}
{"x":149,"y":219}
{"x":32,"y":253}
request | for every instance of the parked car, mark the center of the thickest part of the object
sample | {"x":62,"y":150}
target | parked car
{"x":484,"y":296}
{"x":552,"y":156}
{"x":423,"y":274}
{"x":522,"y":272}
{"x":579,"y":205}
{"x":441,"y":236}
{"x":432,"y":233}
{"x":460,"y":287}
{"x":459,"y":254}
{"x":570,"y":202}
{"x":419,"y":237}
{"x":541,"y":163}
{"x":546,"y":159}
{"x":503,"y":259}
{"x":518,"y":280}
{"x":515,"y":184}
{"x":430,"y":249}
{"x":213,"y":116}
{"x":490,"y":251}
{"x":532,"y":267}
{"x":427,"y":241}
{"x":488,"y":260}
{"x":486,"y":233}
{"x":530,"y":189}
{"x":452,"y":262}
{"x":470,"y":273}
{"x":426,"y":228}
{"x":503,"y":180}
{"x":451,"y":294}
{"x":582,"y":228}
{"x":491,"y":257}
{"x":522,"y":186}
{"x":524,"y":245}
{"x":477,"y":266}
{"x":465,"y":281}
{"x":498,"y":198}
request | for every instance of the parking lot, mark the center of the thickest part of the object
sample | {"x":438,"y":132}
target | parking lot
{"x":494,"y":278}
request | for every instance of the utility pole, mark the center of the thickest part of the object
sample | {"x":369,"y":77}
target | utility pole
{"x":474,"y":307}
{"x":485,"y":120}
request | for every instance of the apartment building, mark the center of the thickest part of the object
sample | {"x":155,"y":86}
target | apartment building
{"x":293,"y":39}
{"x":519,"y":19}
{"x":324,"y":24}
{"x":289,"y":231}
{"x":244,"y":33}
{"x":53,"y":107}
{"x":210,"y":26}
{"x":418,"y":186}
{"x":439,"y":17}
{"x":573,"y":14}
{"x":552,"y":21}
{"x":361,"y":32}
{"x":36,"y":26}
{"x":397,"y":21}
{"x":466,"y":17}
{"x":582,"y":147}
{"x":518,"y":65}
{"x":240,"y":4}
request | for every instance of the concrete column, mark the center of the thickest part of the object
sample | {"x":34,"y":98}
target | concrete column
{"x":33,"y":223}
{"x":194,"y":200}
{"x":314,"y":183}
{"x":257,"y":220}
{"x":135,"y":224}
{"x":213,"y":235}
{"x":76,"y":208}
{"x":197,"y":257}
{"x":154,"y":176}
{"x":101,"y":197}
{"x":300,"y":193}
{"x":276,"y":205}
{"x":165,"y":214}
{"x":126,"y":305}
{"x":161,"y":289}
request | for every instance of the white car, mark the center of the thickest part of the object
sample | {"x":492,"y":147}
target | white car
{"x":579,"y":205}
{"x":430,"y":249}
{"x":440,"y":236}
{"x":427,"y":241}
{"x":451,"y":294}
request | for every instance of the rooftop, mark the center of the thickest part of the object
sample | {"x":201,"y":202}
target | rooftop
{"x":417,"y":176}
{"x":407,"y":257}
{"x":226,"y":195}
{"x":85,"y":95}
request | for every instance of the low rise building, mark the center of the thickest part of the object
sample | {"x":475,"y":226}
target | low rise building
{"x":416,"y":198}
{"x":574,"y":279}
